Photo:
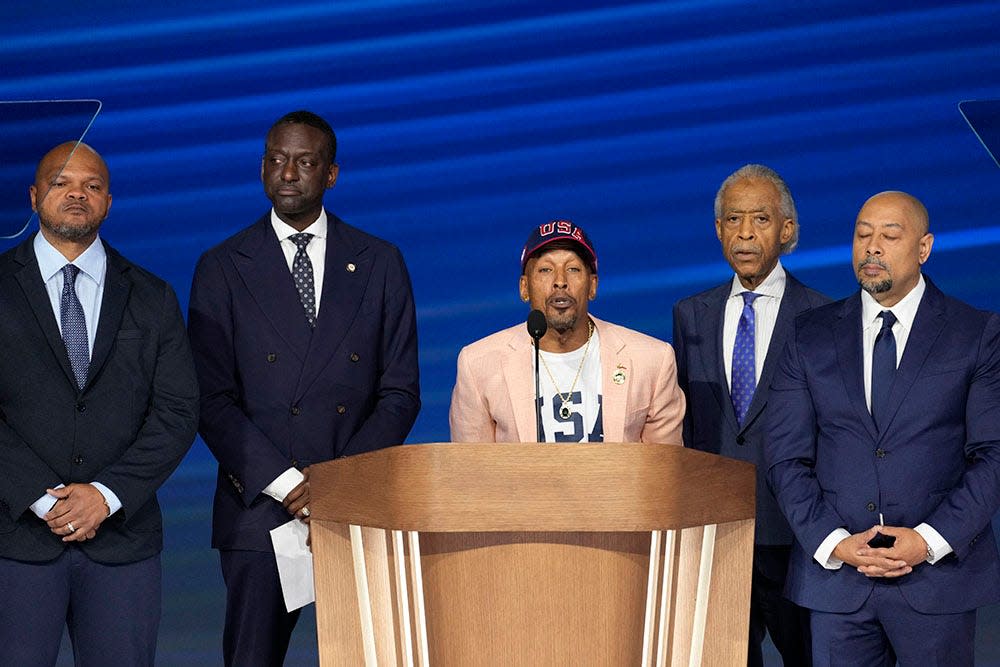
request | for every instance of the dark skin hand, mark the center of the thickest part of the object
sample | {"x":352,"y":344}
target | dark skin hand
{"x":910,"y":549}
{"x":298,"y":498}
{"x":79,"y":504}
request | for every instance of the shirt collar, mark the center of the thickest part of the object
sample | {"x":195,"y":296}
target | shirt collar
{"x":773,"y":285}
{"x":93,"y":261}
{"x":905,"y":310}
{"x":284,"y":230}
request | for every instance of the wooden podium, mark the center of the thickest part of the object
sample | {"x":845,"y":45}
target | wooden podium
{"x":528,"y":554}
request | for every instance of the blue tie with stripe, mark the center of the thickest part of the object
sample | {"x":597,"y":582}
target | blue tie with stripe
{"x":744,"y":378}
{"x":74,"y":326}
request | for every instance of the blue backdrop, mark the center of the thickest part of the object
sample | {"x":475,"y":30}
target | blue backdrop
{"x":463,"y":124}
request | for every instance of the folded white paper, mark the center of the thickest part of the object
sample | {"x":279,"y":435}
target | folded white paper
{"x":295,"y":564}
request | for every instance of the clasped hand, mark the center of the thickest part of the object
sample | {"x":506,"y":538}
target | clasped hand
{"x":78,"y":512}
{"x":909,"y":550}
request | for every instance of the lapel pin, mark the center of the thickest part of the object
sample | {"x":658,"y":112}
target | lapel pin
{"x":351,"y":267}
{"x":619,"y":375}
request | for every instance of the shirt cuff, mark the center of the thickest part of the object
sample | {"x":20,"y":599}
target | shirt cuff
{"x":43,"y":505}
{"x":938,"y":545}
{"x":824,"y":555}
{"x":284,"y":484}
{"x":109,"y":497}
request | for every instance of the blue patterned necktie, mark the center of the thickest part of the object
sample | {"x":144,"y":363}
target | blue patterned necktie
{"x":302,"y":273}
{"x":74,"y":326}
{"x":744,"y":379}
{"x":883,"y":367}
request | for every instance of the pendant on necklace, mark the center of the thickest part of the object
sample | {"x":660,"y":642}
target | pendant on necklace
{"x":564,"y":410}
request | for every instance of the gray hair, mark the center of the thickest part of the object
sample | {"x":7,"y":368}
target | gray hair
{"x":764,"y":173}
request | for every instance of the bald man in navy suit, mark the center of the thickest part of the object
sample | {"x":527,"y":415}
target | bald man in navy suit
{"x":884,"y":455}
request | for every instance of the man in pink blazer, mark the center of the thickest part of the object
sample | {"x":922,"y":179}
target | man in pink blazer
{"x":599,"y":382}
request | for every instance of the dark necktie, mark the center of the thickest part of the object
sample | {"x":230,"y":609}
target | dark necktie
{"x":883,"y":367}
{"x":744,"y":378}
{"x":74,"y":326}
{"x":302,"y":273}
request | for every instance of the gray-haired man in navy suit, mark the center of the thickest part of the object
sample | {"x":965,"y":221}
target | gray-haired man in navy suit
{"x":728,"y":341}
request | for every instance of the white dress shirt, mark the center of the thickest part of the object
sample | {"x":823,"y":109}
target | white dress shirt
{"x":765,"y":307}
{"x":905,"y":311}
{"x":93,"y":265}
{"x":288,"y":480}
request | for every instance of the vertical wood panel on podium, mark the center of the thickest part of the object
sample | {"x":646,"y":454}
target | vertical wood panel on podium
{"x":527,"y":554}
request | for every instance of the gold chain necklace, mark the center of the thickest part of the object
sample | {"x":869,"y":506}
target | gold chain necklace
{"x":567,"y":400}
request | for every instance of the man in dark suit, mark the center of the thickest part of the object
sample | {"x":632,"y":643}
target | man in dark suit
{"x":728,"y":341}
{"x":885,"y":409}
{"x":304,"y":335}
{"x":98,"y":404}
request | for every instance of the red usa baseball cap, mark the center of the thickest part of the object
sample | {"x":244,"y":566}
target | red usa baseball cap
{"x":559,"y":230}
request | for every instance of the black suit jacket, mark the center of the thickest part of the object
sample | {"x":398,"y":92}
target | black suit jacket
{"x":710,"y":422}
{"x":276,"y":394}
{"x":128,"y":427}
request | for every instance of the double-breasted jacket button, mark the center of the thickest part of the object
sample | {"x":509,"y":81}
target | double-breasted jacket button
{"x":271,"y":357}
{"x":870,"y":507}
{"x":341,"y":409}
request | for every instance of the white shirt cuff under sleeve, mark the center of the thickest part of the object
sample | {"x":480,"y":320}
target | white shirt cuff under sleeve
{"x":284,"y":484}
{"x":109,"y":497}
{"x":824,"y":555}
{"x":939,"y":546}
{"x":42,"y":506}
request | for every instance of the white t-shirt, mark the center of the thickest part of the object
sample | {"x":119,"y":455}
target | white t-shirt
{"x":584,"y":421}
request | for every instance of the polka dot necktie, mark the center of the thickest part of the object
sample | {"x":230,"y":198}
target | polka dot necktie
{"x":744,"y":379}
{"x":302,"y":273}
{"x":74,"y":326}
{"x":883,"y":367}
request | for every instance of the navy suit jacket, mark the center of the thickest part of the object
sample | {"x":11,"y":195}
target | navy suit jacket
{"x":710,"y":422}
{"x":128,"y":427}
{"x":936,"y":461}
{"x":277,"y":394}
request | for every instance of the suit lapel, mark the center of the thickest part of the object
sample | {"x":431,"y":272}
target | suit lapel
{"x":848,"y":339}
{"x":348,"y":267}
{"x":30,"y":280}
{"x":614,"y":404}
{"x":793,"y":302}
{"x":116,"y":290}
{"x":518,"y":367}
{"x":927,"y":326}
{"x":264,"y":271}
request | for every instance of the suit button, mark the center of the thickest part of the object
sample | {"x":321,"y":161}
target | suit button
{"x":81,"y":407}
{"x":341,"y":409}
{"x":870,"y":507}
{"x":880,"y":453}
{"x":296,"y":410}
{"x":78,"y":460}
{"x":354,"y":356}
{"x":271,"y":357}
{"x":295,"y":463}
{"x":740,"y":440}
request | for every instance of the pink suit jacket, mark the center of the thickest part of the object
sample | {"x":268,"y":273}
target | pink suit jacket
{"x":494,"y":395}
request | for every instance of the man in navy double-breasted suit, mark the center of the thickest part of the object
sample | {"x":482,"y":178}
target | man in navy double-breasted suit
{"x":886,"y":410}
{"x":304,"y":334}
{"x":756,"y":222}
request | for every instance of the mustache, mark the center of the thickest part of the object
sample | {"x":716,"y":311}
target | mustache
{"x":872,"y":260}
{"x":746,"y":247}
